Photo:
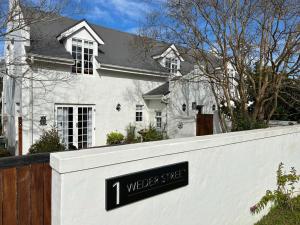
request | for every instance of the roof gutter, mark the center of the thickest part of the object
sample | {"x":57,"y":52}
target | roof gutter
{"x":133,"y":70}
{"x":49,"y":59}
{"x":150,"y":97}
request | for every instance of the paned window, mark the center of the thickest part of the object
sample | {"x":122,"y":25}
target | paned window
{"x":84,"y":127}
{"x":158,"y":119}
{"x":139,"y":113}
{"x":77,"y":55}
{"x":82,"y":52}
{"x":88,"y":57}
{"x":172,"y":65}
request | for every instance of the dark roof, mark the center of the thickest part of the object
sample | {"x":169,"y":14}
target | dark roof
{"x":160,"y":90}
{"x":120,"y":48}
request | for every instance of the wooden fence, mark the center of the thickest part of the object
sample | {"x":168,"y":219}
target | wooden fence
{"x":25,"y":190}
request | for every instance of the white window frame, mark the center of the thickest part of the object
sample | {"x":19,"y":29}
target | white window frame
{"x":139,"y":113}
{"x":75,"y":120}
{"x":173,"y":64}
{"x":84,"y":44}
{"x":158,"y":115}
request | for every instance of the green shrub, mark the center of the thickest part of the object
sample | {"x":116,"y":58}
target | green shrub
{"x":283,"y":216}
{"x":131,"y":134}
{"x":48,"y":142}
{"x":151,"y":134}
{"x":4,"y":153}
{"x":245,"y":123}
{"x":114,"y":138}
{"x":283,"y":195}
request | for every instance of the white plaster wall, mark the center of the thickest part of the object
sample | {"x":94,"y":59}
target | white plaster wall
{"x":104,"y":89}
{"x":186,"y":91}
{"x":228,"y":173}
{"x":155,"y":105}
{"x":55,"y":84}
{"x":184,"y":126}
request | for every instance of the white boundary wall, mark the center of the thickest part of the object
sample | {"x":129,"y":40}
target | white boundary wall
{"x":228,"y":173}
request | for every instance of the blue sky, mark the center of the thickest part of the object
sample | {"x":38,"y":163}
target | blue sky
{"x":124,"y":15}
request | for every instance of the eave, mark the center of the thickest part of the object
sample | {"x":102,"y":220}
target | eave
{"x":133,"y":70}
{"x":49,"y":59}
{"x":78,"y":26}
{"x":152,"y":97}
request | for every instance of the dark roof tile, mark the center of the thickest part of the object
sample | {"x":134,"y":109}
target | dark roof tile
{"x":120,"y":48}
{"x":160,"y":90}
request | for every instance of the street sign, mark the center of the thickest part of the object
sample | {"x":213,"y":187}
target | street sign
{"x":126,"y":189}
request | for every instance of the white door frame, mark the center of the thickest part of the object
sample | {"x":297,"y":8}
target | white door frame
{"x":75,"y":119}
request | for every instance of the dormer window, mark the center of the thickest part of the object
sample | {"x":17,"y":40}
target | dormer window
{"x":172,"y":65}
{"x":82,"y":52}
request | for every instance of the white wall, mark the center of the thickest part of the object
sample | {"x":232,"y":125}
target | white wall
{"x":55,"y":84}
{"x":104,"y":89}
{"x":187,"y":90}
{"x":228,"y":173}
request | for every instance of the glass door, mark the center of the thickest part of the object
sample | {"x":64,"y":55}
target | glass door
{"x":85,"y":127}
{"x":75,"y":125}
{"x":65,"y":125}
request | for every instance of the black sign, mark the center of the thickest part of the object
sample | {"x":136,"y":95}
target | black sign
{"x":133,"y":187}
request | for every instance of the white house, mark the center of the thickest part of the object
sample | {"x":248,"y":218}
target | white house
{"x":88,"y":80}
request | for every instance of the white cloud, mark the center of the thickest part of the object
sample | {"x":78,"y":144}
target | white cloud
{"x":98,"y":13}
{"x":133,"y":9}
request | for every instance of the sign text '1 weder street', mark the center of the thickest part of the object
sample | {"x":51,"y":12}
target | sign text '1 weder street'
{"x":133,"y":187}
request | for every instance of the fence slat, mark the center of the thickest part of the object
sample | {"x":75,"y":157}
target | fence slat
{"x":10,"y":196}
{"x":37,"y":194}
{"x":1,"y":197}
{"x":23,"y":190}
{"x":47,"y":194}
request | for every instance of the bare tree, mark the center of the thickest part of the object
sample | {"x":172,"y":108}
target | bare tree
{"x":258,"y":39}
{"x":17,"y":19}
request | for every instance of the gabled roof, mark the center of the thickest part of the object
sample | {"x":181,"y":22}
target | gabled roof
{"x":78,"y":26}
{"x":120,"y":48}
{"x":167,"y":50}
{"x":161,"y":90}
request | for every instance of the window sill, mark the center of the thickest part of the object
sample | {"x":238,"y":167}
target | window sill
{"x":84,"y":75}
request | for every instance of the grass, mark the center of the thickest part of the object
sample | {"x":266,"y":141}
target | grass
{"x":282,"y":216}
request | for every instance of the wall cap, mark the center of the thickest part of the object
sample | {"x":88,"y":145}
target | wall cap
{"x":72,"y":161}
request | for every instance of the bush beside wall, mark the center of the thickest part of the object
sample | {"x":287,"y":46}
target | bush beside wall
{"x":283,"y":216}
{"x":114,"y":138}
{"x":151,"y":134}
{"x":48,"y":142}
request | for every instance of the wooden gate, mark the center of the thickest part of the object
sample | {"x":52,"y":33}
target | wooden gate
{"x":25,"y":190}
{"x":204,"y":124}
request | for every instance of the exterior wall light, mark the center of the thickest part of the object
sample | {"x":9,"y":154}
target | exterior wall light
{"x":214,"y":107}
{"x":43,"y":121}
{"x":118,"y":107}
{"x":184,"y":107}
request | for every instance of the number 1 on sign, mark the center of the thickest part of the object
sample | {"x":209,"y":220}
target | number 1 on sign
{"x":117,"y":185}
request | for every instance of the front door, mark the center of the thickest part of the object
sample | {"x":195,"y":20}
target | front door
{"x":75,"y":125}
{"x":204,"y":124}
